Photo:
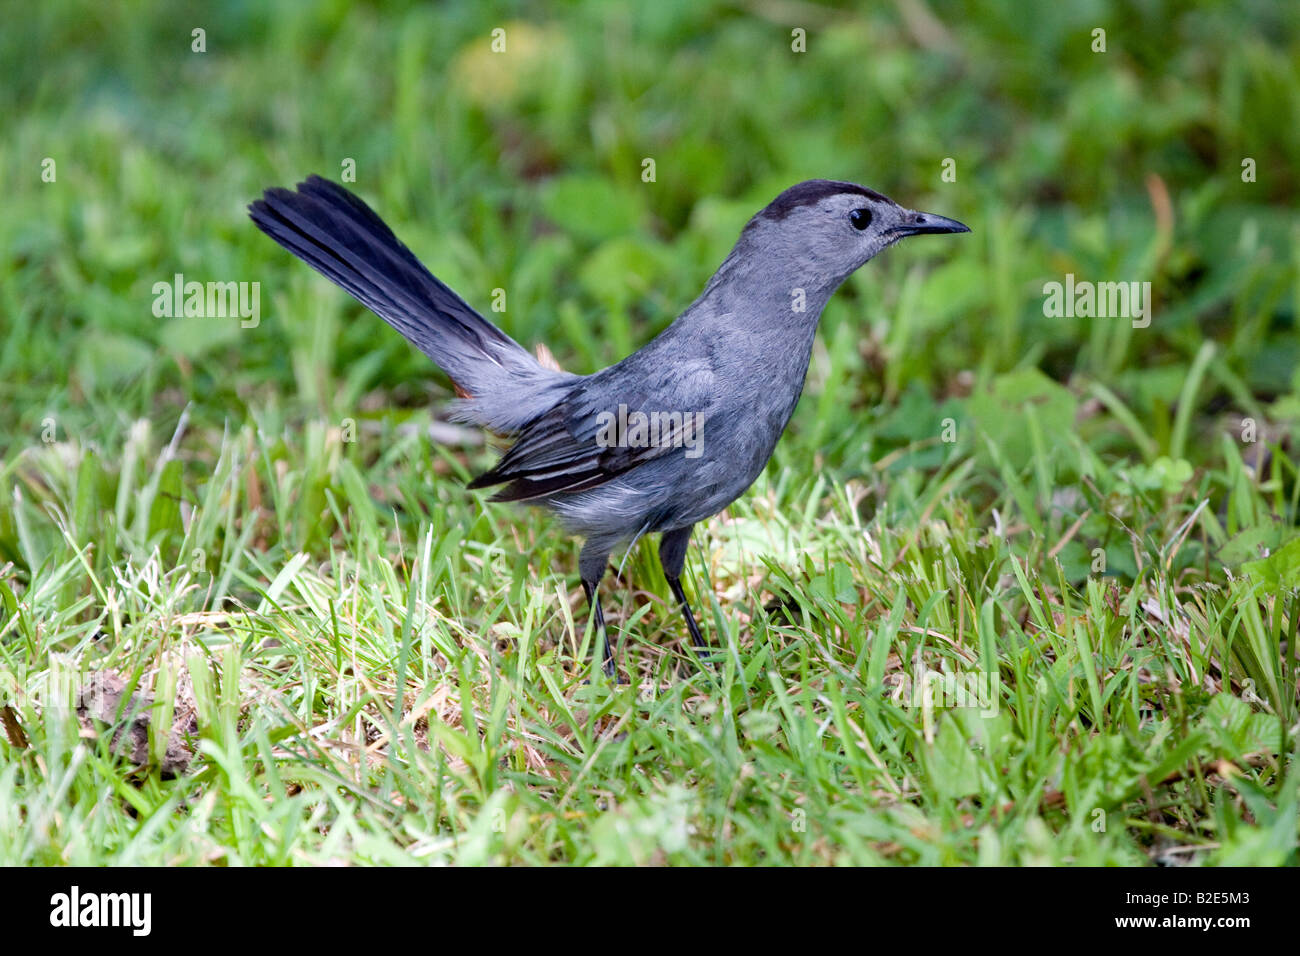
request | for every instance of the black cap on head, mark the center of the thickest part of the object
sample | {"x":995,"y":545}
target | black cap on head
{"x":813,"y":191}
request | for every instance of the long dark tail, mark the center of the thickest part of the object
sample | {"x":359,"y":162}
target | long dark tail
{"x":340,"y":237}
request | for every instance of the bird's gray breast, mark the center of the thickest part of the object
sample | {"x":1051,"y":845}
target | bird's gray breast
{"x":740,"y":384}
{"x":758,"y":385}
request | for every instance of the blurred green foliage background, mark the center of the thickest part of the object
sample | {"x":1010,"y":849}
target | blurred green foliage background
{"x":522,"y":170}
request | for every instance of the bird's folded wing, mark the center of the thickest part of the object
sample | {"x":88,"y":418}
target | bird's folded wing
{"x":580,"y":442}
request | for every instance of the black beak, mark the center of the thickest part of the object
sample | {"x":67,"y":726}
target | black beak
{"x":920,"y":223}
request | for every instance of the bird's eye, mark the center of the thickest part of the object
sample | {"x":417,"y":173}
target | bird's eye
{"x":861,"y":218}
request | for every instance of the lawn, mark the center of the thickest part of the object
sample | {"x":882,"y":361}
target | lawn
{"x":1021,"y":585}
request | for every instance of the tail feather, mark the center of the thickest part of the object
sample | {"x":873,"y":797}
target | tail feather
{"x":340,"y":237}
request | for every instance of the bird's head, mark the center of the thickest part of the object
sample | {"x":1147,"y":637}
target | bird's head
{"x":829,"y":229}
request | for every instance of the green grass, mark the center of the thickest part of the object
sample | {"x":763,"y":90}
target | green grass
{"x":258,"y":528}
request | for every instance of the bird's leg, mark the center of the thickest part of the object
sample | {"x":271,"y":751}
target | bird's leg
{"x":593,"y":599}
{"x":672,"y":557}
{"x":696,"y":638}
{"x":591,"y":565}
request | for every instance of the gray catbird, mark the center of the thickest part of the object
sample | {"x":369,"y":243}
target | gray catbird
{"x":670,"y":435}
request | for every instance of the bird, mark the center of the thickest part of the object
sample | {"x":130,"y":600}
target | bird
{"x":663,"y":439}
